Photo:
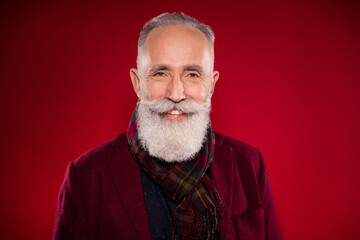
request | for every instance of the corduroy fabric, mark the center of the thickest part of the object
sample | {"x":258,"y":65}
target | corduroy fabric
{"x":199,"y":205}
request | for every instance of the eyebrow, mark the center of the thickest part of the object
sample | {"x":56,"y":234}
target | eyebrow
{"x":195,"y":67}
{"x":162,"y":67}
{"x":159,"y":67}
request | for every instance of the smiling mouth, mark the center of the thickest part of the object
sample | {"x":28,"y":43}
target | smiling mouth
{"x":174,"y":114}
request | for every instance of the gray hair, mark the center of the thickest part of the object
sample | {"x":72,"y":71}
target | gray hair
{"x":166,"y":19}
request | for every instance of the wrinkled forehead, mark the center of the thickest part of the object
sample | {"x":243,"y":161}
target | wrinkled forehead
{"x":176,"y":33}
{"x":177,"y":44}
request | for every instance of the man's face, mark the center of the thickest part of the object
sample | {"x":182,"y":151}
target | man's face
{"x":174,"y":82}
{"x":176,"y":64}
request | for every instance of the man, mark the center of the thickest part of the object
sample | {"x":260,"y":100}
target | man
{"x":169,"y":176}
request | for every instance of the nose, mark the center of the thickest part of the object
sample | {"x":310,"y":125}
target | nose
{"x":176,"y":90}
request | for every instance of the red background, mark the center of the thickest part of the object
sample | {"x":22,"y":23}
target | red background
{"x":289,"y":85}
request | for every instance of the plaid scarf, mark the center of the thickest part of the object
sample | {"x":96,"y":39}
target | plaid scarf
{"x":199,"y":205}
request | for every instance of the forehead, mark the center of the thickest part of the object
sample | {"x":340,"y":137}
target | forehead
{"x":177,"y":44}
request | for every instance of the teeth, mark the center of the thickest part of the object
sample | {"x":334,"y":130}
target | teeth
{"x":175,"y":112}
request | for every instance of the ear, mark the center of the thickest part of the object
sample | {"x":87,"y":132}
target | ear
{"x":135,"y":81}
{"x":214,"y":80}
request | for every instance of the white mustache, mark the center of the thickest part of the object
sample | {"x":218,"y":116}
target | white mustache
{"x":187,"y":106}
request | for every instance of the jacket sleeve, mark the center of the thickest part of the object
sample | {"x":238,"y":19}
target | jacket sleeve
{"x":70,"y":220}
{"x":272,"y":228}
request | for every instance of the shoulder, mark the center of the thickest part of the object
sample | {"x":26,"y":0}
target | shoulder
{"x":243,"y":154}
{"x":97,"y":157}
{"x":238,"y":147}
{"x":93,"y":169}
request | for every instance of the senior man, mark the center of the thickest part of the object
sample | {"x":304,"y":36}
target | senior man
{"x":169,"y":176}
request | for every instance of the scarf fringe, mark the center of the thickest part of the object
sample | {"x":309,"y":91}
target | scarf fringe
{"x":205,"y":226}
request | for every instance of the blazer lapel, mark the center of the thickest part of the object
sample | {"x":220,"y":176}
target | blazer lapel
{"x":126,"y":174}
{"x":222,"y":173}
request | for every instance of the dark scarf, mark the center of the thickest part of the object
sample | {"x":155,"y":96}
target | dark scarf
{"x":199,"y":205}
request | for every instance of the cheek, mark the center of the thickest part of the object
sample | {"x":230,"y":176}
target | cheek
{"x":198,"y":92}
{"x":156,"y":90}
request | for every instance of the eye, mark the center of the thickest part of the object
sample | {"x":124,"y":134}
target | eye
{"x":161,"y":74}
{"x":193,"y":75}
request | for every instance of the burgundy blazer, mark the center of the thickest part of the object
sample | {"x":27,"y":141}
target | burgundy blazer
{"x":102,"y":196}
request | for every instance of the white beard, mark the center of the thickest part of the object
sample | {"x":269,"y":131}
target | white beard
{"x":173,"y":140}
